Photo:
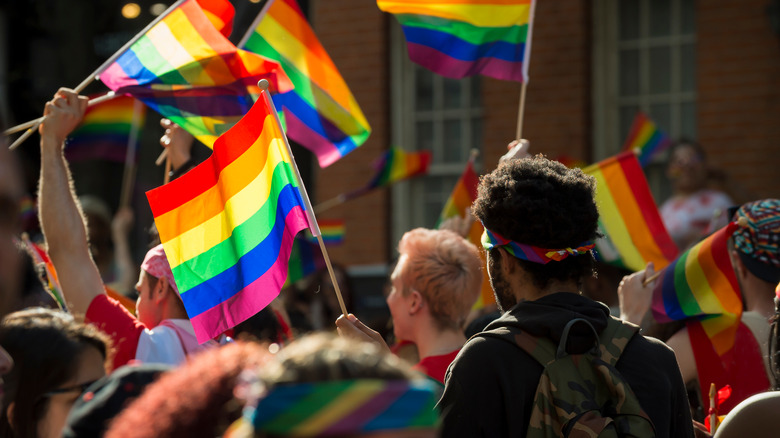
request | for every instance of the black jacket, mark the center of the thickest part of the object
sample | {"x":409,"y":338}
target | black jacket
{"x":490,"y":387}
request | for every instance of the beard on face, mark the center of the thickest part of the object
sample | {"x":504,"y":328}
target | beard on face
{"x":502,"y":290}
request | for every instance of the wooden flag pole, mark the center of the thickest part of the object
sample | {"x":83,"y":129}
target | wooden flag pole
{"x":521,"y":112}
{"x":128,"y":178}
{"x":33,"y":124}
{"x":168,"y":165}
{"x":88,"y":80}
{"x":313,"y":226}
{"x":330,"y":203}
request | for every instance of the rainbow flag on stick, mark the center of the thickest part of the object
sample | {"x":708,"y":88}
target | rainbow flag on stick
{"x":458,"y":38}
{"x":702,"y":284}
{"x":463,"y":196}
{"x":320,"y":112}
{"x":646,"y":137}
{"x":228,"y":225}
{"x":331,"y":230}
{"x":395,"y":165}
{"x":628,"y":216}
{"x":105,"y":132}
{"x":41,"y":259}
{"x":189,"y":72}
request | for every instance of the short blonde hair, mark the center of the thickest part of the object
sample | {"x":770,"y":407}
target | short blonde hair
{"x":445,"y":269}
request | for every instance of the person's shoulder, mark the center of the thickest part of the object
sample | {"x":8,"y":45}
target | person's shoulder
{"x":649,"y":346}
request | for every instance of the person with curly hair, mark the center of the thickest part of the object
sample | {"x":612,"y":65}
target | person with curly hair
{"x":540,"y":221}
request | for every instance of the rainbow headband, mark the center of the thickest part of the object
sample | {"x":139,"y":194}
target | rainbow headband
{"x":346,"y":407}
{"x":534,"y":254}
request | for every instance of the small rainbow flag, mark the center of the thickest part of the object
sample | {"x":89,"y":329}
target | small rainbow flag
{"x":41,"y":258}
{"x":305,"y":259}
{"x":628,"y":216}
{"x":321,"y":113}
{"x":105,"y":132}
{"x":646,"y":137}
{"x":463,"y":195}
{"x":228,"y":225}
{"x":332,"y":231}
{"x":393,"y":166}
{"x":458,"y":38}
{"x":189,"y":72}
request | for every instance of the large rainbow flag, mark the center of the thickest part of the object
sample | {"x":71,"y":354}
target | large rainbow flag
{"x":701,"y":288}
{"x":646,"y":137}
{"x":702,"y":284}
{"x":628,"y":216}
{"x":320,"y":112}
{"x":228,"y":225}
{"x":105,"y":131}
{"x":458,"y":38}
{"x":189,"y":72}
{"x":463,"y":195}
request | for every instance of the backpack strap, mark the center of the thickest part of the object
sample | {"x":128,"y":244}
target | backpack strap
{"x":614,"y":338}
{"x":611,"y":342}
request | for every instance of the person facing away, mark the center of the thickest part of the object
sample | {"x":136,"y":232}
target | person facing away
{"x":162,"y":332}
{"x":535,"y":205}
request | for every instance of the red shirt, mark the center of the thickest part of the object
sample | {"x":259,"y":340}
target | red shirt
{"x":435,"y":367}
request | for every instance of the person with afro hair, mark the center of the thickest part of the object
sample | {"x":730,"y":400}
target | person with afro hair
{"x":540,"y":222}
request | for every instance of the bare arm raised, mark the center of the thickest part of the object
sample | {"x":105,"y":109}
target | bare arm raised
{"x":60,"y":216}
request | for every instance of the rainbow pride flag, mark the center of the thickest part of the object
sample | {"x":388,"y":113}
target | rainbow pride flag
{"x":305,"y":258}
{"x":463,"y":195}
{"x":628,"y":216}
{"x":701,"y":284}
{"x":332,"y":231}
{"x":646,"y":137}
{"x":41,"y":258}
{"x":458,"y":38}
{"x":105,"y":131}
{"x":228,"y":225}
{"x":393,"y":166}
{"x":320,"y":112}
{"x":189,"y":72}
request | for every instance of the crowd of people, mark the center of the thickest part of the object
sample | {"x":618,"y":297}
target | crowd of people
{"x":549,"y":361}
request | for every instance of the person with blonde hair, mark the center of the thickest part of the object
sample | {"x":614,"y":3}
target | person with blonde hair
{"x":436,"y":281}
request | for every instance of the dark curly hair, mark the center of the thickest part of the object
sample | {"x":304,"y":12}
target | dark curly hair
{"x":543,"y":203}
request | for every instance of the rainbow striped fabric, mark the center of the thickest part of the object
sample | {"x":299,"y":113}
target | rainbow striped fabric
{"x":463,"y":195}
{"x":305,"y":258}
{"x":628,"y":216}
{"x":41,"y":258}
{"x":321,"y":113}
{"x":104,"y":133}
{"x":646,"y":137}
{"x":189,"y":72}
{"x":393,"y":166}
{"x":228,"y":225}
{"x":458,"y":38}
{"x":702,"y":284}
{"x":346,"y":408}
{"x":332,"y":231}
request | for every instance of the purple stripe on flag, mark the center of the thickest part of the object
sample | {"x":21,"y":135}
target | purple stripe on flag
{"x":368,"y":411}
{"x":326,"y":152}
{"x":445,"y":65}
{"x":256,"y":295}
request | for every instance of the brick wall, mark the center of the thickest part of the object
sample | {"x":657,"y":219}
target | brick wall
{"x":557,"y":110}
{"x":738,"y":76}
{"x":354,"y":32}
